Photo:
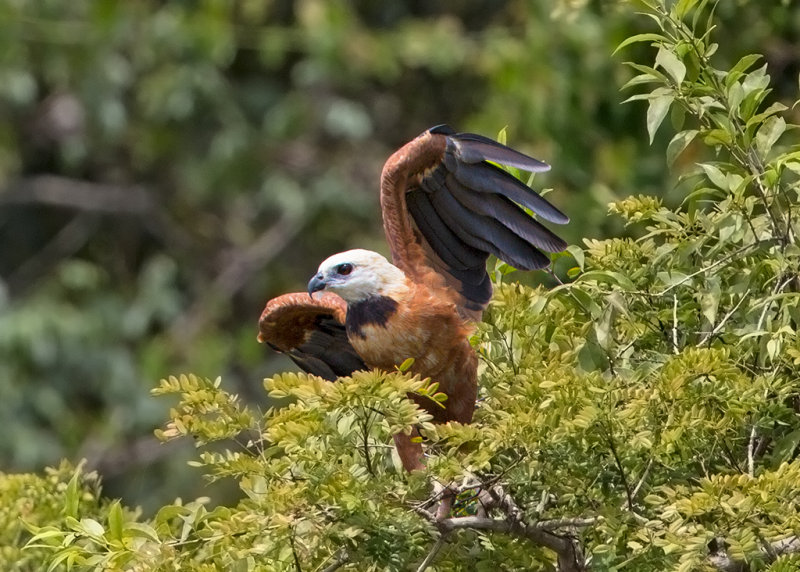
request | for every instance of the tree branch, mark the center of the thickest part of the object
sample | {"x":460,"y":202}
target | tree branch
{"x":70,"y":193}
{"x":433,"y":553}
{"x":237,"y":272}
{"x":567,"y":548}
{"x":675,"y":324}
{"x":342,"y":557}
{"x":716,"y":329}
{"x":772,"y":551}
{"x":620,"y":468}
{"x":67,"y":241}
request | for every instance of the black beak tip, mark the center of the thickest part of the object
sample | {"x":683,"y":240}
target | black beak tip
{"x":316,"y":284}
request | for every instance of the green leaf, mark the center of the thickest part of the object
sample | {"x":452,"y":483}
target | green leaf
{"x":683,"y":7}
{"x":92,"y":527}
{"x":602,"y":328}
{"x":715,"y":175}
{"x":650,"y":37}
{"x":647,"y":70}
{"x":140,"y":530}
{"x":680,"y":142}
{"x":115,"y":520}
{"x":659,"y":106}
{"x":709,"y":301}
{"x":72,"y":497}
{"x":785,"y":447}
{"x":769,"y":133}
{"x":671,"y":64}
{"x":406,"y":365}
{"x":744,"y":64}
{"x":609,"y":276}
{"x":502,"y":135}
{"x":577,"y":253}
{"x":63,"y":555}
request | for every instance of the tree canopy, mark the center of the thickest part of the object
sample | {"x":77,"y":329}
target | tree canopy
{"x":638,"y":410}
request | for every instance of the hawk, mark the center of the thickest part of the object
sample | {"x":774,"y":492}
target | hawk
{"x":446,"y":207}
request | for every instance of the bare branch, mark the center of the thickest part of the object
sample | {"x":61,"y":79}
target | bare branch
{"x":64,"y":192}
{"x":567,"y":548}
{"x":67,"y":241}
{"x":433,"y":553}
{"x":342,"y":557}
{"x":750,"y":451}
{"x":238,"y":272}
{"x":642,"y":479}
{"x":570,"y":555}
{"x":675,"y":324}
{"x":721,"y":323}
{"x":721,"y":561}
{"x":708,"y":268}
{"x":567,"y":523}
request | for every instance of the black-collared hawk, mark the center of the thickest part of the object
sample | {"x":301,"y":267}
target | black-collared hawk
{"x":446,"y":208}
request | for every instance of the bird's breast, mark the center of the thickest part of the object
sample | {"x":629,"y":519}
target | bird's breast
{"x":385,"y":333}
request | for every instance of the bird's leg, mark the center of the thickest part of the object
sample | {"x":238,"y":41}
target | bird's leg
{"x":445,"y":495}
{"x":409,"y":449}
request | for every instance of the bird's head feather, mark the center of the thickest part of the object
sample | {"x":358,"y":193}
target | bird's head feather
{"x":356,"y":275}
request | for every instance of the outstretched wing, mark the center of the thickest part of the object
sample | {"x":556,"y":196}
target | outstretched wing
{"x":311,"y":332}
{"x":446,"y":208}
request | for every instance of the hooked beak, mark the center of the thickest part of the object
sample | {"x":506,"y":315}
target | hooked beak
{"x":316,"y":284}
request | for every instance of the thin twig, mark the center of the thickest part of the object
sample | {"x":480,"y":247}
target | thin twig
{"x":620,"y":468}
{"x":778,"y":288}
{"x":342,"y":557}
{"x":750,"y":451}
{"x":705,"y":269}
{"x":67,"y":241}
{"x":433,"y":553}
{"x":675,"y":324}
{"x":727,"y":317}
{"x":365,"y":444}
{"x":567,"y":523}
{"x":294,"y":551}
{"x":642,"y":479}
{"x":237,"y":272}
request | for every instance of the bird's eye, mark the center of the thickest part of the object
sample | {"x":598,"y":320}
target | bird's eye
{"x":344,"y":269}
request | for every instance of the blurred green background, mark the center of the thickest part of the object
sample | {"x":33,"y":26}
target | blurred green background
{"x":168,"y":166}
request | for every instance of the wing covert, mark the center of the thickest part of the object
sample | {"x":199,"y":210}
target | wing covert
{"x":311,"y":332}
{"x":447,"y":207}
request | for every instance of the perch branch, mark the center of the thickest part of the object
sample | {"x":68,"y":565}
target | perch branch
{"x":721,"y":561}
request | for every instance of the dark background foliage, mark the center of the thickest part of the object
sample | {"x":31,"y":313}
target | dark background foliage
{"x":166,"y":167}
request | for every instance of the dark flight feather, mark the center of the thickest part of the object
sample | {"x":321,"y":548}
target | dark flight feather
{"x":499,"y":208}
{"x":453,"y":252}
{"x":487,"y":234}
{"x":473,"y":148}
{"x":487,"y":178}
{"x":311,"y":331}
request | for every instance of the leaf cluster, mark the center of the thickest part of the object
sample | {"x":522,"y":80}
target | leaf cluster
{"x":647,"y":410}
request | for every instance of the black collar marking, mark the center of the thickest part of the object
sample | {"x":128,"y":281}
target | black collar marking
{"x":375,"y":310}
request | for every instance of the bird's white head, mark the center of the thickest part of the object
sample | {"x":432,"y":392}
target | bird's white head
{"x":356,"y":275}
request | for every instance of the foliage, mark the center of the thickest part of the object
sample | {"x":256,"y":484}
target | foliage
{"x":646,"y":413}
{"x":29,"y":501}
{"x":166,"y":167}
